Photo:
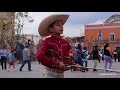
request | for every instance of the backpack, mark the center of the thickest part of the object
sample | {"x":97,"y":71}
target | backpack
{"x":84,"y":54}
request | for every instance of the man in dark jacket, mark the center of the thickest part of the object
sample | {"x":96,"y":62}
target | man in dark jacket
{"x":95,"y":54}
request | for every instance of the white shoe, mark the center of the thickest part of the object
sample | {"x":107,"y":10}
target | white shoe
{"x":7,"y":69}
{"x":14,"y":70}
{"x":109,"y":69}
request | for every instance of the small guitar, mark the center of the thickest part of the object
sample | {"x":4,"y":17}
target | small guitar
{"x":66,"y":60}
{"x":53,"y":54}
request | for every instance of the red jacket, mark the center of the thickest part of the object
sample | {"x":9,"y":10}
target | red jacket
{"x":61,"y":46}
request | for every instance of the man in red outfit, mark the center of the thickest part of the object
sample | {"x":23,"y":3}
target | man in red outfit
{"x":53,"y":25}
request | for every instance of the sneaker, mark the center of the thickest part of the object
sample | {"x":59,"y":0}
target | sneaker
{"x":7,"y":69}
{"x":20,"y":70}
{"x":83,"y":70}
{"x":94,"y":69}
{"x":30,"y":70}
{"x":87,"y":69}
{"x":14,"y":70}
{"x":105,"y":70}
{"x":109,"y":69}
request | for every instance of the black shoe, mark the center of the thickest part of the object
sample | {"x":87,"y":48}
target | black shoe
{"x":20,"y":70}
{"x":87,"y":69}
{"x":94,"y":69}
{"x":29,"y":70}
{"x":83,"y":70}
{"x":74,"y":69}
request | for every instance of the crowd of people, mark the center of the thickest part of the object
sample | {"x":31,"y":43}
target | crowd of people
{"x":81,"y":56}
{"x":78,"y":55}
{"x":21,"y":54}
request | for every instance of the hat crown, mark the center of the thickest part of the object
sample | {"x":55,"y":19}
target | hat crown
{"x":45,"y":23}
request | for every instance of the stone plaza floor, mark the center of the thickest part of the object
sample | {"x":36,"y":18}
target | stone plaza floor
{"x":38,"y":72}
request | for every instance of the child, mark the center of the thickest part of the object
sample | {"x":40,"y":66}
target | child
{"x":11,"y":60}
{"x":53,"y":25}
{"x":84,"y":57}
{"x":15,"y":54}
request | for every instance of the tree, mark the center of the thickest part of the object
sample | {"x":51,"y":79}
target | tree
{"x":20,"y":19}
{"x":12,"y":24}
{"x":7,"y":29}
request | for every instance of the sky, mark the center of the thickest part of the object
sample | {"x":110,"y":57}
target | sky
{"x":75,"y":24}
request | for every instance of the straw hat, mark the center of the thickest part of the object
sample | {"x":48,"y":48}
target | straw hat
{"x":43,"y":27}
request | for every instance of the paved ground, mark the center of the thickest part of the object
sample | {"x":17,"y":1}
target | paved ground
{"x":38,"y":69}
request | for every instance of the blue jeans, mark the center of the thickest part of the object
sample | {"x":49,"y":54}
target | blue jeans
{"x":4,"y":61}
{"x":24,"y":62}
{"x":108,"y":59}
{"x":79,"y":61}
{"x":86,"y":62}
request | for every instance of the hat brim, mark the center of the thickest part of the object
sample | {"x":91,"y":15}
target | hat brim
{"x":44,"y":25}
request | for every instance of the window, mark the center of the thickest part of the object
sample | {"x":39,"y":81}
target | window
{"x":112,"y":36}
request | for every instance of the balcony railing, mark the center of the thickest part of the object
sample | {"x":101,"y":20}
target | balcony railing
{"x":105,"y":41}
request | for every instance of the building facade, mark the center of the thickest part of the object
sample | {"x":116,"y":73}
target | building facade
{"x":34,"y":38}
{"x":101,"y":34}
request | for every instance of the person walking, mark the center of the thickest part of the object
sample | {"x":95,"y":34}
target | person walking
{"x":95,"y":54}
{"x":4,"y":58}
{"x":84,"y":57}
{"x":26,"y":58}
{"x":11,"y":60}
{"x":107,"y":57}
{"x":118,"y":54}
{"x":115,"y":55}
{"x":78,"y":57}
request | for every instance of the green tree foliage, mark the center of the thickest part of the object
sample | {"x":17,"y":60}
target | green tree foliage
{"x":20,"y":19}
{"x":7,"y":29}
{"x":11,"y":25}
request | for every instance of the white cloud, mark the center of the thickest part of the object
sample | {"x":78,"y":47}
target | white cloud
{"x":73,"y":26}
{"x":101,"y":21}
{"x":73,"y":30}
{"x":32,"y":28}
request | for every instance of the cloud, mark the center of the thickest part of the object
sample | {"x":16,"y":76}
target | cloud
{"x":98,"y":22}
{"x":32,"y":28}
{"x":75,"y":24}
